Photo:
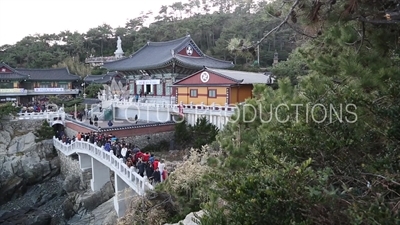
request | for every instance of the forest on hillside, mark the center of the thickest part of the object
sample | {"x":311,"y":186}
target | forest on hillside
{"x":214,"y":31}
{"x":303,"y":164}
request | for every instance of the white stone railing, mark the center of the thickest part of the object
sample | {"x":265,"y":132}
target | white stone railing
{"x":101,"y":59}
{"x":175,"y":107}
{"x":40,"y":116}
{"x":139,"y":184}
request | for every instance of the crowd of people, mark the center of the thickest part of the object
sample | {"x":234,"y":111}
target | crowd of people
{"x":145,"y":163}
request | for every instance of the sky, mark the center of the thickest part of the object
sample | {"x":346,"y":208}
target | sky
{"x":20,"y":18}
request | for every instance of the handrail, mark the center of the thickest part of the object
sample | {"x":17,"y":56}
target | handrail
{"x":40,"y":115}
{"x":212,"y":107}
{"x":54,"y":90}
{"x":123,"y":127}
{"x":139,"y":184}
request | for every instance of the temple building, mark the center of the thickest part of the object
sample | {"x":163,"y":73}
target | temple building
{"x":28,"y":85}
{"x":104,"y":78}
{"x":157,"y":65}
{"x":219,"y":87}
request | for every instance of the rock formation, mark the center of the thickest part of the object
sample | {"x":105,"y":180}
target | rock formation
{"x":24,"y":162}
{"x":190,"y":219}
{"x":84,"y":206}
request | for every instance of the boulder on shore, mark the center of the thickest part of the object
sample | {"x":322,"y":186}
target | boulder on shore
{"x":190,"y":219}
{"x":24,"y":162}
{"x":82,"y":203}
{"x":26,"y":216}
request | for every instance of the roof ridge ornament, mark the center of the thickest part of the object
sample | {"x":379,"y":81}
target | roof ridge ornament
{"x":172,"y":52}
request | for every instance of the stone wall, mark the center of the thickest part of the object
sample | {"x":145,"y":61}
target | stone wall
{"x":70,"y":166}
{"x":24,"y":126}
{"x":73,"y":128}
{"x":142,"y":140}
{"x":70,"y":132}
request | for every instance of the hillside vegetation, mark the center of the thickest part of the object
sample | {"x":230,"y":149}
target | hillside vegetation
{"x":214,"y":32}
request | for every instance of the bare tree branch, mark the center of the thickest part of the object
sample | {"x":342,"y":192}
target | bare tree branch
{"x":295,"y":3}
{"x":300,"y":32}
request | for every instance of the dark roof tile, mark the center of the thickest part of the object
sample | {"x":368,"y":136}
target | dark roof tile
{"x":13,"y":75}
{"x":59,"y":74}
{"x":102,"y":79}
{"x":240,"y":77}
{"x":159,"y":54}
{"x":205,"y":61}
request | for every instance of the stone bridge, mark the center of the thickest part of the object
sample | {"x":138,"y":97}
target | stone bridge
{"x":101,"y":162}
{"x":52,"y":117}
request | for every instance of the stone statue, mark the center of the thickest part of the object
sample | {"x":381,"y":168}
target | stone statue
{"x":119,"y":52}
{"x":119,"y":47}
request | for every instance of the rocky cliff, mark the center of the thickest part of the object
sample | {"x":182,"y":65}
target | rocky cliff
{"x":24,"y":162}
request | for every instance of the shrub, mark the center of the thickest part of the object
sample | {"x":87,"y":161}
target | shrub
{"x":202,"y":133}
{"x":183,"y":192}
{"x":44,"y":132}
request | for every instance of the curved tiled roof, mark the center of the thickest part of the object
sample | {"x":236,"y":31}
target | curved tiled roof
{"x":244,"y":77}
{"x":13,"y":75}
{"x":91,"y":78}
{"x":239,"y":77}
{"x":200,"y":62}
{"x":159,"y":54}
{"x":59,"y":74}
{"x":101,"y":79}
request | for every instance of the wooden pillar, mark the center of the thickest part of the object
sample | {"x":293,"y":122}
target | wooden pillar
{"x":163,"y":88}
{"x":154,"y":89}
{"x":134,"y":87}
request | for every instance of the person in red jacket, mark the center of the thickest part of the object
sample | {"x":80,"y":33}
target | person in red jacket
{"x":155,"y":163}
{"x":146,"y":157}
{"x":139,"y":155}
{"x":165,"y":174}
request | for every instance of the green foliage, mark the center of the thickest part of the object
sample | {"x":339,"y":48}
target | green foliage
{"x":188,"y":184}
{"x":70,"y":104}
{"x":266,"y":195}
{"x":294,"y":68}
{"x":75,"y":66}
{"x":44,"y":132}
{"x":92,"y":90}
{"x":354,"y":168}
{"x":202,"y":133}
{"x":7,"y":109}
{"x":236,"y":19}
{"x":182,"y":135}
{"x":98,"y":71}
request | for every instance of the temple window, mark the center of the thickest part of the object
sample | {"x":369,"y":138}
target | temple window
{"x":44,"y":85}
{"x":193,"y":93}
{"x":63,"y":85}
{"x":212,"y":93}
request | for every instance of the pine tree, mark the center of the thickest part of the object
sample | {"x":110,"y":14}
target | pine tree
{"x":44,"y":132}
{"x":343,"y":170}
{"x":203,"y":132}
